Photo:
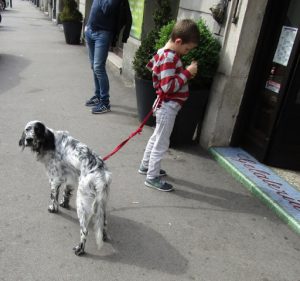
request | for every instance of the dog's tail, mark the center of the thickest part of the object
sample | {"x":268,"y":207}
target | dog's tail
{"x":99,"y":211}
{"x":99,"y":220}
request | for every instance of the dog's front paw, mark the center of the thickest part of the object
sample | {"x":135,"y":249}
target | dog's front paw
{"x":79,"y":250}
{"x":53,"y":208}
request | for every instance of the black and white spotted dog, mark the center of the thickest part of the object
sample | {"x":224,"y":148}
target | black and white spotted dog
{"x":70,"y":163}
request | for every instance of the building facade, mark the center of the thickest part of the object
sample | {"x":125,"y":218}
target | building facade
{"x":239,"y":39}
{"x":254,"y":100}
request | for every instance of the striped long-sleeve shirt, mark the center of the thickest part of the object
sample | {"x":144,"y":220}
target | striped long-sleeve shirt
{"x":169,"y":76}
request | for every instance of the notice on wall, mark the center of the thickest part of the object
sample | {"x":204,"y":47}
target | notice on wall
{"x":285,"y":45}
{"x":137,"y":11}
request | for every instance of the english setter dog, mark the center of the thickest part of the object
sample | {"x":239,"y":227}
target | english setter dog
{"x":70,"y":163}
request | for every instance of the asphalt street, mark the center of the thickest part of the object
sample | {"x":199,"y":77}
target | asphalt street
{"x":209,"y":228}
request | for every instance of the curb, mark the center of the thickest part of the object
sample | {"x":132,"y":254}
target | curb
{"x":256,"y":190}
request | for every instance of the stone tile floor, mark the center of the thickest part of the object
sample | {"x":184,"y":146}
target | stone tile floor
{"x":292,"y":177}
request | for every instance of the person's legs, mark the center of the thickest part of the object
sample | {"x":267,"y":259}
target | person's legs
{"x":146,"y":157}
{"x":91,"y":50}
{"x":102,"y":40}
{"x":143,"y":169}
{"x":165,"y":118}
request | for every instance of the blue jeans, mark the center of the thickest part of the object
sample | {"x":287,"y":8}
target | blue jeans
{"x":98,"y":43}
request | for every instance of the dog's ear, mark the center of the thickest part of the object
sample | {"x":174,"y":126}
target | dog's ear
{"x":22,"y":141}
{"x":49,"y":142}
{"x":39,"y":130}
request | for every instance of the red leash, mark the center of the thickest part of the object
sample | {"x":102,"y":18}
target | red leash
{"x":138,"y":131}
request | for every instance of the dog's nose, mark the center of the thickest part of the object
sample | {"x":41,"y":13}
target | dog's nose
{"x":29,"y":141}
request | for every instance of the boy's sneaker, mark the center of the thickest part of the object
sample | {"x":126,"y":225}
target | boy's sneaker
{"x":143,"y":171}
{"x":93,"y":101}
{"x":100,"y":108}
{"x":159,"y":184}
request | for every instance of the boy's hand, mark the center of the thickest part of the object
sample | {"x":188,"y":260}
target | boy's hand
{"x":193,"y":68}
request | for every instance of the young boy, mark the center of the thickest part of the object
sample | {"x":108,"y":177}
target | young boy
{"x":170,"y":82}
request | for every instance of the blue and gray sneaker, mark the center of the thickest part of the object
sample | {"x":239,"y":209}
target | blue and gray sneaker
{"x":143,"y":171}
{"x":100,"y":108}
{"x":159,"y":184}
{"x":93,"y":101}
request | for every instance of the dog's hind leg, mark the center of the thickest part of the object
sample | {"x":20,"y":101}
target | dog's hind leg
{"x":84,"y":214}
{"x":66,"y":197}
{"x":79,"y":249}
{"x":100,"y":223}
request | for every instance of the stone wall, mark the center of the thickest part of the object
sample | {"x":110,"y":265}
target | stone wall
{"x":239,"y":44}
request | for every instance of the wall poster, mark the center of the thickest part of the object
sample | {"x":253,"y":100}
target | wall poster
{"x":285,"y":45}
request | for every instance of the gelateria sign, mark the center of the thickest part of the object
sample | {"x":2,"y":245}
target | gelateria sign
{"x":137,"y":11}
{"x":276,"y":188}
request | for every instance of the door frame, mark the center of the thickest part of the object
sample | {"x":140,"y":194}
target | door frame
{"x":273,"y":21}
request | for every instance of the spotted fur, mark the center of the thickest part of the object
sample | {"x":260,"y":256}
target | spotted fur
{"x":70,"y":163}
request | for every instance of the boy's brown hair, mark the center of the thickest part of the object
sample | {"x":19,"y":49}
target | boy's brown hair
{"x":186,"y":30}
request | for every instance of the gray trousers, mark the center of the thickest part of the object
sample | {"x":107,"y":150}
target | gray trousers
{"x":159,"y":142}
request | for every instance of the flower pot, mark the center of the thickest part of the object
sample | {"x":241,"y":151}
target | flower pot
{"x":145,"y":97}
{"x":188,"y":122}
{"x":72,"y":31}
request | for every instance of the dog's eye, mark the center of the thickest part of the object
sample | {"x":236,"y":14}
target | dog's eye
{"x":28,"y":129}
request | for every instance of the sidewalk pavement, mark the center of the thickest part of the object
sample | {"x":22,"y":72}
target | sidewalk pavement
{"x":210,"y":228}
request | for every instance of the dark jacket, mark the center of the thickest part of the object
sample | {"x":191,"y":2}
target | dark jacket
{"x":111,"y":15}
{"x":124,"y":21}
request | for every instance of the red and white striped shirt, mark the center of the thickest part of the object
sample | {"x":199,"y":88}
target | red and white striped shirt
{"x":169,"y":76}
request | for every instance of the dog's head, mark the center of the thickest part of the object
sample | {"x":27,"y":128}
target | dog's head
{"x":37,"y":136}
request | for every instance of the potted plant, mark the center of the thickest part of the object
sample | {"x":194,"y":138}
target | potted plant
{"x":207,"y":55}
{"x":71,"y":19}
{"x":145,"y":93}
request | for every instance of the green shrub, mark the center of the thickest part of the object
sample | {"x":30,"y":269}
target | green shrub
{"x":143,"y":55}
{"x":161,"y":16}
{"x":206,"y":53}
{"x":70,"y":12}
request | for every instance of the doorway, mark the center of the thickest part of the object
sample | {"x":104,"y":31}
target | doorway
{"x":269,"y":122}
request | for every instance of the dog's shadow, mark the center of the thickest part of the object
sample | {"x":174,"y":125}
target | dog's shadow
{"x":136,"y":244}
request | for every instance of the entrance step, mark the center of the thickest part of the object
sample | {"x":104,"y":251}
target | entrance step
{"x":115,"y":60}
{"x":278,"y":194}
